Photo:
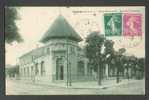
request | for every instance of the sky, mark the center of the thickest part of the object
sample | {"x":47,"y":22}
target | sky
{"x":35,"y":21}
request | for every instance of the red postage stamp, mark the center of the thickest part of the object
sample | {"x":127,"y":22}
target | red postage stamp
{"x":132,"y":24}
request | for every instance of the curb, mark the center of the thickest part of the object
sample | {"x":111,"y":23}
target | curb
{"x":102,"y":87}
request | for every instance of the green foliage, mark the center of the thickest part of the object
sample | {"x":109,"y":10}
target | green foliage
{"x":93,"y":48}
{"x":11,"y":30}
{"x":109,"y":47}
{"x":94,"y":45}
{"x":114,"y":59}
{"x":109,"y":51}
{"x":122,"y":50}
{"x":11,"y":71}
{"x":141,"y":63}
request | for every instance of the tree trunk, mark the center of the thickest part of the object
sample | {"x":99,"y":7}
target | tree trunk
{"x":99,"y":74}
{"x":117,"y":76}
{"x":127,"y":74}
{"x":134,"y":72}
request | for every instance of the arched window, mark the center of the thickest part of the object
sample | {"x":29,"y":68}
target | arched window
{"x":42,"y":68}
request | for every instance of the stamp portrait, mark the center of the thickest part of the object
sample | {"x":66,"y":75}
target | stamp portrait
{"x":132,"y":24}
{"x":113,"y":24}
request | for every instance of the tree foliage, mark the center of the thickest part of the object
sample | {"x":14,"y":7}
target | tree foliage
{"x":116,"y":60}
{"x":109,"y":52}
{"x":119,"y":62}
{"x":12,"y":71}
{"x":93,"y":47}
{"x":109,"y":47}
{"x":11,"y":30}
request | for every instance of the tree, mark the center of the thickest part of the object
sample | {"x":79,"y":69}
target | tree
{"x":122,"y":50}
{"x":12,"y":71}
{"x":124,"y":62}
{"x":133,"y":64}
{"x":11,"y":30}
{"x":140,"y":68}
{"x":127,"y":63}
{"x":109,"y":46}
{"x":119,"y":64}
{"x":109,"y":51}
{"x":93,"y":47}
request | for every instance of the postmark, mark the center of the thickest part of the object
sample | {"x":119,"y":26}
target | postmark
{"x":132,"y":24}
{"x":130,"y":42}
{"x":113,"y":24}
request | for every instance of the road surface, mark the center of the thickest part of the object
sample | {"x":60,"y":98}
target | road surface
{"x":16,"y":88}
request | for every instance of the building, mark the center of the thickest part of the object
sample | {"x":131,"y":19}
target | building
{"x":62,"y":59}
{"x":59,"y":59}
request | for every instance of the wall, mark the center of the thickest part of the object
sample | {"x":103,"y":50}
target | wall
{"x":52,"y":50}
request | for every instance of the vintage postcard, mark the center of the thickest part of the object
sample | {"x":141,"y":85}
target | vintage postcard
{"x":75,"y":50}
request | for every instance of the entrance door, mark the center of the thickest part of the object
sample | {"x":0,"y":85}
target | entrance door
{"x":61,"y":72}
{"x":59,"y":69}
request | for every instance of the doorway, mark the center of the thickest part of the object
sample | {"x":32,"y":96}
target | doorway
{"x":59,"y":69}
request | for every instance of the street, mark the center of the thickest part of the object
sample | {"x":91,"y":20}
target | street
{"x":19,"y":88}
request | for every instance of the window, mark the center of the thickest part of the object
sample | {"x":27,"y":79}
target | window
{"x":72,"y":50}
{"x":36,"y":69}
{"x":81,"y":70}
{"x":89,"y":69}
{"x":24,"y":72}
{"x":28,"y":71}
{"x":48,"y":50}
{"x":32,"y":70}
{"x":42,"y":68}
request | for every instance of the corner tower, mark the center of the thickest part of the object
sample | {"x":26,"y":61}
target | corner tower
{"x":60,"y":29}
{"x":62,"y":41}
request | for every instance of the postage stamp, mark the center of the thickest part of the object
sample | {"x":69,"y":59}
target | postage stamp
{"x":132,"y":24}
{"x":113,"y":24}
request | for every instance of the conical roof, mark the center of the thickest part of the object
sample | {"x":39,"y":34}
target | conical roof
{"x":61,"y":29}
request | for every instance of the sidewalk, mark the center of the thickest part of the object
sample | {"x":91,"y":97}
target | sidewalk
{"x":94,"y":84}
{"x":85,"y":85}
{"x":105,"y":84}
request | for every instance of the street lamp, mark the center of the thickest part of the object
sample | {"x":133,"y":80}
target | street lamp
{"x":68,"y":68}
{"x":69,"y":74}
{"x":67,"y":61}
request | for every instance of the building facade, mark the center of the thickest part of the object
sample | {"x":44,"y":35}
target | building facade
{"x":59,"y":59}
